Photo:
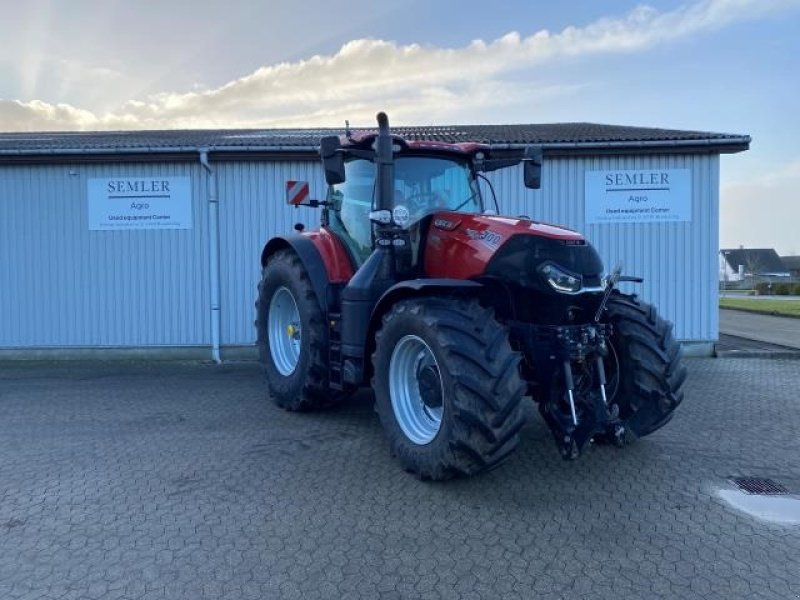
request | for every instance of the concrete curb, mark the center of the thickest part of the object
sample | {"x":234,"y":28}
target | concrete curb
{"x":776,"y":354}
{"x":768,"y":313}
{"x":249,"y":353}
{"x":152,"y":353}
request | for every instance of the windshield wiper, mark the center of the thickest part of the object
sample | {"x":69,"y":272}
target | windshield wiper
{"x":464,"y":203}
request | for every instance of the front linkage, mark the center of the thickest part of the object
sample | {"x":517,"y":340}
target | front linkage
{"x":571,"y":382}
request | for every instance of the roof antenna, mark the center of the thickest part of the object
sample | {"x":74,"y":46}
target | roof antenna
{"x":347,"y":133}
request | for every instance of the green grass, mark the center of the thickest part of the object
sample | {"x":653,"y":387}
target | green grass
{"x":789,"y":308}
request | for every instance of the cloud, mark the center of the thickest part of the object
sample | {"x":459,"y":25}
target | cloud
{"x":763,"y":211}
{"x":417,"y":83}
{"x":39,"y":116}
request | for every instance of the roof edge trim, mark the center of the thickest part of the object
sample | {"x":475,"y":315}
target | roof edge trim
{"x":728,"y":145}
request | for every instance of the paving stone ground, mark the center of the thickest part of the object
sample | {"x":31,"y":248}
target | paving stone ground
{"x":173,"y":480}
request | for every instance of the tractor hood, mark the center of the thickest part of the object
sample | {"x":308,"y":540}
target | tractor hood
{"x":464,"y":246}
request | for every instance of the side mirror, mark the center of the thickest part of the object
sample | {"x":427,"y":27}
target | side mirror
{"x":532,"y":167}
{"x":332,"y":159}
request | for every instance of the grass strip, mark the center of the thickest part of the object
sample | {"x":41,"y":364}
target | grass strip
{"x":783,"y":308}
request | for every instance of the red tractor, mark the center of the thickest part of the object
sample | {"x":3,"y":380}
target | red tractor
{"x":453,"y":315}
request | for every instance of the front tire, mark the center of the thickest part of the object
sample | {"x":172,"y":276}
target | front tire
{"x":447,"y":387}
{"x":648,"y":372}
{"x":292,"y":337}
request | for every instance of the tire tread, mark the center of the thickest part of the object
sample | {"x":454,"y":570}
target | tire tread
{"x":650,"y":361}
{"x":487,"y":412}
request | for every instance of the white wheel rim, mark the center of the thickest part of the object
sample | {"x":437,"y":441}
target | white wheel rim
{"x":284,"y":333}
{"x":419,"y":421}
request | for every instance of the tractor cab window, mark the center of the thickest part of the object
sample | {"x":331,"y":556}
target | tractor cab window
{"x":351,"y":203}
{"x":425,"y":184}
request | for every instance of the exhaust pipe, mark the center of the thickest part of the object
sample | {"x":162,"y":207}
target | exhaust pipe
{"x":384,"y":159}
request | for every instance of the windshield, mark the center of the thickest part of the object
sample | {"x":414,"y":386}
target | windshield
{"x":425,"y":184}
{"x":422,"y":185}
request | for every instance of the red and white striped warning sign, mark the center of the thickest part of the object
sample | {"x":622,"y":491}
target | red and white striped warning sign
{"x":296,"y":192}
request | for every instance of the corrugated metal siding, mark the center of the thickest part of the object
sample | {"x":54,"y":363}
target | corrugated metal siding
{"x":252,"y":210}
{"x":63,"y":285}
{"x":678,"y":260}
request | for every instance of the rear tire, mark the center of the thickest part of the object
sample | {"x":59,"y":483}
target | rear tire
{"x":650,"y":373}
{"x":296,"y":373}
{"x":480,"y":388}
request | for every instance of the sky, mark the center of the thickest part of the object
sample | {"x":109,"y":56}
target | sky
{"x":728,"y":66}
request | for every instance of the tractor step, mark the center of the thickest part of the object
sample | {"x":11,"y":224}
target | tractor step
{"x":335,"y":351}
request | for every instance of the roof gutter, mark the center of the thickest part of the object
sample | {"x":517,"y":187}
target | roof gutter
{"x":160,"y":150}
{"x":736,"y":144}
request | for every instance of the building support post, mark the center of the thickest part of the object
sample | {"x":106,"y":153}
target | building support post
{"x":213,"y":254}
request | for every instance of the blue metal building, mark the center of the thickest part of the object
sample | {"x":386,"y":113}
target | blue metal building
{"x":71,"y":284}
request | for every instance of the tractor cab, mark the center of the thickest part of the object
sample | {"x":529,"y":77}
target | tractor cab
{"x":423,"y":184}
{"x":386,"y":183}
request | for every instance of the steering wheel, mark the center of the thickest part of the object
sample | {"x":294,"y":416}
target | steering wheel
{"x":422,"y":201}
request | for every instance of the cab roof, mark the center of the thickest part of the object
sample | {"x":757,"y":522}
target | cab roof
{"x":365,"y":140}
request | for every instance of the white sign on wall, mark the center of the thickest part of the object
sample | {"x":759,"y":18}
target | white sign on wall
{"x":140,"y":203}
{"x":645,"y":196}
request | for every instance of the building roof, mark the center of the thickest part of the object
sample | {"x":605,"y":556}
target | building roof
{"x":755,"y":260}
{"x":554,"y":137}
{"x":791,"y":262}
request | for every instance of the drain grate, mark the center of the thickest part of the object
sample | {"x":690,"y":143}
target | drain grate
{"x":759,"y":486}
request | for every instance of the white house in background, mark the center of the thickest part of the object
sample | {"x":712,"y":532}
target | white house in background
{"x":736,"y":264}
{"x":792,"y":263}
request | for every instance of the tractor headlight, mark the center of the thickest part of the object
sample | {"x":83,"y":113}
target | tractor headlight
{"x":561,"y":280}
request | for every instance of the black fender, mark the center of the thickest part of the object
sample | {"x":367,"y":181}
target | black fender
{"x":409,"y":289}
{"x":310,"y":257}
{"x":419,"y":287}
